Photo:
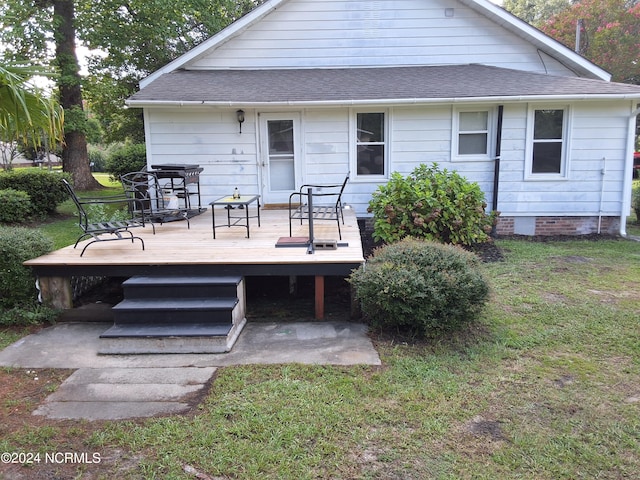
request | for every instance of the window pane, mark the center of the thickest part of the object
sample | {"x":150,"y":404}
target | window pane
{"x":281,"y":173}
{"x":371,"y":160}
{"x":370,"y":127}
{"x":474,"y":143}
{"x":547,"y":157}
{"x":548,"y":124}
{"x":470,"y":121}
{"x":280,"y":136}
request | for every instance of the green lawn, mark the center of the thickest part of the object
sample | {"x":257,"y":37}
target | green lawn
{"x":65,"y":231}
{"x":546,"y":386}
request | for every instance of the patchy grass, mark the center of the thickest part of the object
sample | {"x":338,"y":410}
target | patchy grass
{"x":546,"y":386}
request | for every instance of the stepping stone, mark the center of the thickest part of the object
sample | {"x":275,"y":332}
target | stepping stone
{"x":121,"y":393}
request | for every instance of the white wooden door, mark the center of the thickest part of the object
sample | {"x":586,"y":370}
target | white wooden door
{"x":279,"y":156}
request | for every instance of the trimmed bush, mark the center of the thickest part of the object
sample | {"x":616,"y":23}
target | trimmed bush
{"x":129,"y":158}
{"x":17,"y":245}
{"x":15,"y":206}
{"x":433,"y":205}
{"x":423,"y":286}
{"x":43,"y":187}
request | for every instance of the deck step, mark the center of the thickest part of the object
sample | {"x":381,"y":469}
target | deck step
{"x":137,"y":339}
{"x":177,"y":314}
{"x":181,"y":286}
{"x":175,"y":310}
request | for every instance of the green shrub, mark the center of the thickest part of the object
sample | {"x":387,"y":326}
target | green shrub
{"x":15,"y":206}
{"x":431,"y":204}
{"x":424,"y":286}
{"x":43,"y":187}
{"x":97,"y":159}
{"x":635,"y":200}
{"x":28,"y":315}
{"x":17,"y":245}
{"x":128,"y":158}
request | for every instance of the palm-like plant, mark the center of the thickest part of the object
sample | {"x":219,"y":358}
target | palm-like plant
{"x":26,"y":113}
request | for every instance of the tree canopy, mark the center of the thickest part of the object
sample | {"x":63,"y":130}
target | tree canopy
{"x":609,"y":30}
{"x":133,"y":38}
{"x":610,"y":33}
{"x":535,"y":12}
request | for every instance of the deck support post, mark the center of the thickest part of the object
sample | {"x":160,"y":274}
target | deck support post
{"x":356,"y":312}
{"x":319,"y":297}
{"x":56,"y":292}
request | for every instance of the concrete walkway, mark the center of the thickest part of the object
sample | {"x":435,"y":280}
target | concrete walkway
{"x":120,"y":393}
{"x":127,"y":386}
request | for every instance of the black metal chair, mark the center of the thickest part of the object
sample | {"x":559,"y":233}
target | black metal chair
{"x":150,"y":203}
{"x":318,"y":202}
{"x":102,"y":231}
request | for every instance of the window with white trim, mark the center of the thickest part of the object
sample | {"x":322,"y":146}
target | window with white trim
{"x":472,"y":133}
{"x":547,"y":142}
{"x":371,"y":143}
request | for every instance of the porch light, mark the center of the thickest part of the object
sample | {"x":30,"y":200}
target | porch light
{"x":240,"y":116}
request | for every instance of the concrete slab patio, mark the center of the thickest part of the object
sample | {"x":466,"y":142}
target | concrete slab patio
{"x":76,"y":345}
{"x":112,"y":387}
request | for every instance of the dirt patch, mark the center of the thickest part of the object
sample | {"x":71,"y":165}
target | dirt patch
{"x":483,"y":427}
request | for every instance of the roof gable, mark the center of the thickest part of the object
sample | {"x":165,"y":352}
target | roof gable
{"x":363,"y":35}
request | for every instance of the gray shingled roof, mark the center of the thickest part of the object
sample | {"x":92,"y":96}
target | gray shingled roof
{"x":300,"y":86}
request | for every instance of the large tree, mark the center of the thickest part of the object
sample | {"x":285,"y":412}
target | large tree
{"x":135,"y":38}
{"x":29,"y":30}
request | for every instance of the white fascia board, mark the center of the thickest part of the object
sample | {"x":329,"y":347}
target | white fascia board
{"x":547,"y":44}
{"x":218,"y":39}
{"x":377,"y":102}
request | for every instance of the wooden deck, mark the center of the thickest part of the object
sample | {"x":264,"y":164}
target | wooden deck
{"x":174,"y":249}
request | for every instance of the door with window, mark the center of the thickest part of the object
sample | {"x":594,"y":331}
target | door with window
{"x":279,"y":156}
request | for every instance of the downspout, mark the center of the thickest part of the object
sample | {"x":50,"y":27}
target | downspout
{"x":628,"y":172}
{"x":603,"y":172}
{"x":496,"y":164}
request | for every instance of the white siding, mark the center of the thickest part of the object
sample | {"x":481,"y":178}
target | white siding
{"x":340,"y":33}
{"x":420,"y":134}
{"x":597,"y":141}
{"x":209,"y":138}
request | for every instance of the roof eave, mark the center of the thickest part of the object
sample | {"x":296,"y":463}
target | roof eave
{"x":390,"y":101}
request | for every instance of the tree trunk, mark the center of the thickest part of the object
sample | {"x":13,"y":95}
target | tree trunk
{"x":75,"y":158}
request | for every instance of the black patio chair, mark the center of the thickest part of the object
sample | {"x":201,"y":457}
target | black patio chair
{"x":324,"y":203}
{"x":151,"y":203}
{"x":102,"y":231}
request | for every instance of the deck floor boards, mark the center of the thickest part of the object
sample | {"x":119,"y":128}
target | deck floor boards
{"x":175,"y":245}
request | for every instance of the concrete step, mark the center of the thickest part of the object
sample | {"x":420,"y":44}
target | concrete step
{"x":181,"y":286}
{"x":175,"y":310}
{"x":119,"y":393}
{"x":154,"y":339}
{"x":147,"y":330}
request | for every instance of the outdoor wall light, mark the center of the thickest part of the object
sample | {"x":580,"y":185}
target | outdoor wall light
{"x":240,"y":115}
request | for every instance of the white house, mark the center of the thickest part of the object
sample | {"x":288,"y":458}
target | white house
{"x":370,"y":87}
